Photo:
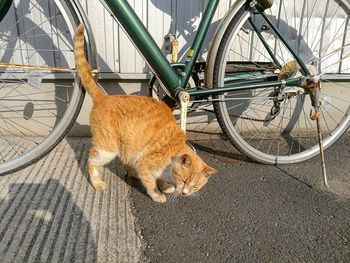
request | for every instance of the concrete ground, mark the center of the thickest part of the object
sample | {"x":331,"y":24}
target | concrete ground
{"x":248,"y":212}
{"x":50,"y":213}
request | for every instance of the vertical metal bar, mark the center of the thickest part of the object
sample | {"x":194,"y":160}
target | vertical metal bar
{"x":316,"y":104}
{"x":302,"y":65}
{"x":251,"y":49}
{"x":144,"y":42}
{"x":320,"y":144}
{"x":198,"y":40}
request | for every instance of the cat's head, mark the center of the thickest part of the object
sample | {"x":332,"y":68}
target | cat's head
{"x":191,"y":173}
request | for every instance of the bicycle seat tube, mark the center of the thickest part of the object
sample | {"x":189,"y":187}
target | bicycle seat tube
{"x":144,"y":42}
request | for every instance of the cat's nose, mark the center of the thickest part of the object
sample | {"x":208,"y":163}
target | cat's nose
{"x":185,"y":191}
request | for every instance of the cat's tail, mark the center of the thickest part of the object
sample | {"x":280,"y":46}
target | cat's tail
{"x":83,"y":66}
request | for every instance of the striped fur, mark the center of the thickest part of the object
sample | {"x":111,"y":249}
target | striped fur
{"x":142,"y":132}
{"x":83,"y":66}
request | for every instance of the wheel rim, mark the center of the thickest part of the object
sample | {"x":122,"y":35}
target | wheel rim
{"x":291,"y":136}
{"x":36,"y":105}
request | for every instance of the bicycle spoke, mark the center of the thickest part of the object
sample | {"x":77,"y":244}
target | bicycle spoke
{"x":59,"y":34}
{"x":32,"y":86}
{"x":324,"y":28}
{"x":20,"y":19}
{"x":247,"y":59}
{"x":28,"y":31}
{"x":35,"y":102}
{"x":8,"y":142}
{"x":16,"y":125}
{"x":37,"y":106}
{"x":19,"y":114}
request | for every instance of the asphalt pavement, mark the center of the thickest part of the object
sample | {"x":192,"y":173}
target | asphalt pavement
{"x":250,"y":212}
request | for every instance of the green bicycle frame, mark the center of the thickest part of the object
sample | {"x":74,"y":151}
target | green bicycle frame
{"x":151,"y":52}
{"x":165,"y":73}
{"x":4,"y":7}
{"x":163,"y":70}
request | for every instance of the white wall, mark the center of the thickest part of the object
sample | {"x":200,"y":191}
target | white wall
{"x":161,"y":17}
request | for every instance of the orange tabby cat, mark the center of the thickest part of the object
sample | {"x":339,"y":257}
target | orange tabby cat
{"x":143,"y":133}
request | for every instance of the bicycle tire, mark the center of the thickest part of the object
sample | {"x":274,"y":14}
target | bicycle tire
{"x":247,"y":118}
{"x":37,"y":107}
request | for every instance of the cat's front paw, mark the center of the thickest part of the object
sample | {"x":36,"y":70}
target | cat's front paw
{"x":169,"y":190}
{"x":159,"y":198}
{"x":166,"y":187}
{"x":99,"y":185}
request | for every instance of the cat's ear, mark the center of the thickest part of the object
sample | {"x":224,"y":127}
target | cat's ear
{"x":209,"y":171}
{"x":185,"y":161}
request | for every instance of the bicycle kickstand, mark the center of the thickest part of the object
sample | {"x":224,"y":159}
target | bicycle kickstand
{"x":323,"y":163}
{"x":315,"y":116}
{"x":184,"y":99}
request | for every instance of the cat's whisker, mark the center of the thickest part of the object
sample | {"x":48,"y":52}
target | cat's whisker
{"x":195,"y":195}
{"x":172,"y":196}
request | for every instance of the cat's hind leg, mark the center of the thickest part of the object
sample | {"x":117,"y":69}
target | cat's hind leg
{"x":130,"y":170}
{"x":97,"y":159}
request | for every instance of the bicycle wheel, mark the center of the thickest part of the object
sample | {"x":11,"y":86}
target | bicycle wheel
{"x":284,"y":133}
{"x":37,"y":105}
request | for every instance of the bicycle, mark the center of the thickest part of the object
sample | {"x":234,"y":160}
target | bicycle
{"x":273,"y":72}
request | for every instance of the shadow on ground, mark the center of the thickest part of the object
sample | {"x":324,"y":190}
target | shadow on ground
{"x":250,"y":212}
{"x":36,"y":224}
{"x":115,"y":167}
